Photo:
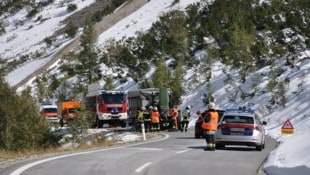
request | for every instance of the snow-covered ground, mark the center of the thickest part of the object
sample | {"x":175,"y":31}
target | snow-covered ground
{"x":293,"y":154}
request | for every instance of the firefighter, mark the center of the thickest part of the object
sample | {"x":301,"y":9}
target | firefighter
{"x":147,"y":119}
{"x":210,"y":122}
{"x":155,"y":120}
{"x":140,"y":118}
{"x":185,"y":119}
{"x":174,"y":114}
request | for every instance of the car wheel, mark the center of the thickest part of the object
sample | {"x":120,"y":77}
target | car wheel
{"x":219,"y":146}
{"x":263,"y":145}
{"x":259,"y":147}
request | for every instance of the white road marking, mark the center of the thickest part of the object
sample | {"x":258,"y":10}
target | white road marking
{"x":183,"y":151}
{"x":147,"y":149}
{"x":138,"y":170}
{"x":27,"y":166}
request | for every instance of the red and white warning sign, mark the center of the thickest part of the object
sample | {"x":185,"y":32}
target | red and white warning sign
{"x":287,"y":127}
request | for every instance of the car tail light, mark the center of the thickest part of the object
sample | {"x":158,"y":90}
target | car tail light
{"x":257,"y":128}
{"x":220,"y":126}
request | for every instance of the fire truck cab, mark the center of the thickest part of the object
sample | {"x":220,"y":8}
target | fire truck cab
{"x":108,"y":107}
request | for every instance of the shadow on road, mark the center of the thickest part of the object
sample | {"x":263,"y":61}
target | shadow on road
{"x":197,"y":147}
{"x":238,"y":148}
{"x":185,"y":138}
{"x":226,"y":148}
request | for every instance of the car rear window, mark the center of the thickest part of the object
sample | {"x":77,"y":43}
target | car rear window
{"x":238,"y":119}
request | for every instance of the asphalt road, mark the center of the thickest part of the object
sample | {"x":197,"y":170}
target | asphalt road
{"x":176,"y":154}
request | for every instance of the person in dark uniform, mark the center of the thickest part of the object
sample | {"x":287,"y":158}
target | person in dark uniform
{"x":185,"y":119}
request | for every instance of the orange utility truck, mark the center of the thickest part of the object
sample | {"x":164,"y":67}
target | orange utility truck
{"x":69,"y":110}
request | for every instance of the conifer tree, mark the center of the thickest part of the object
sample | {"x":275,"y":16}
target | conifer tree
{"x":88,"y":55}
{"x":176,"y":82}
{"x":109,"y":83}
{"x":172,"y":34}
{"x":21,"y":127}
{"x":161,"y":75}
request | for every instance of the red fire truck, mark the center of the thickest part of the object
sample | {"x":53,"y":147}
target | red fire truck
{"x":109,"y":107}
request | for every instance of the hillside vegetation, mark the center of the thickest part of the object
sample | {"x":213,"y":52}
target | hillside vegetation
{"x":244,"y":35}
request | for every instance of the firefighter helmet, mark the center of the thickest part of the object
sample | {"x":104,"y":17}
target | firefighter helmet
{"x":198,"y":112}
{"x":211,"y":105}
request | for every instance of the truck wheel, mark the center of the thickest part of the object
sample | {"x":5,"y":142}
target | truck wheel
{"x":219,"y":146}
{"x":123,"y":124}
{"x":61,"y":122}
{"x":98,"y":123}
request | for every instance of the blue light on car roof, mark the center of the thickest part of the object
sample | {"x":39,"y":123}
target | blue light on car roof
{"x":240,"y":110}
{"x":103,"y":92}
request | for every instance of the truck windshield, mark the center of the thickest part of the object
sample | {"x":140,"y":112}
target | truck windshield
{"x":73,"y":110}
{"x":50,"y":109}
{"x":113,"y":98}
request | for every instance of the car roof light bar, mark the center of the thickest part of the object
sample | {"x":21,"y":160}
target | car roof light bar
{"x":241,"y":109}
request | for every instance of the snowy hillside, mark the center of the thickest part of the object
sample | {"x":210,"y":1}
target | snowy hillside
{"x":291,"y":157}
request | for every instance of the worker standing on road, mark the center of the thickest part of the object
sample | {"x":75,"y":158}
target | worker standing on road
{"x":174,"y":114}
{"x":140,"y":118}
{"x":185,"y":119}
{"x":147,"y":119}
{"x":155,"y":120}
{"x":210,"y":122}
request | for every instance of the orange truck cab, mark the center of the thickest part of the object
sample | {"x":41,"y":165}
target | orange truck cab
{"x":50,"y":112}
{"x":69,"y":111}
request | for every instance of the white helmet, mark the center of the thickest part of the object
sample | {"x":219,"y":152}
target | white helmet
{"x":155,"y":108}
{"x":211,"y":105}
{"x":143,"y":108}
{"x":151,"y":107}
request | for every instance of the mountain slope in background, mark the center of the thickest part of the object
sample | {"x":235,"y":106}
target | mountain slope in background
{"x":291,"y":157}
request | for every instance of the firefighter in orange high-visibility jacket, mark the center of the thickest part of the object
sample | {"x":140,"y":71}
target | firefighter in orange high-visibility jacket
{"x":174,"y":114}
{"x":155,"y":120}
{"x":210,"y":122}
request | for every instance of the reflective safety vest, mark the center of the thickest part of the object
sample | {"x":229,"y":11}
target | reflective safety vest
{"x":140,"y":116}
{"x":146,"y":116}
{"x":174,"y":113}
{"x":186,"y":115}
{"x":212,"y":124}
{"x":155,"y":117}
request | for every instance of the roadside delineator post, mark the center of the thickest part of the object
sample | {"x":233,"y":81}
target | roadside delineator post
{"x":143,"y":131}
